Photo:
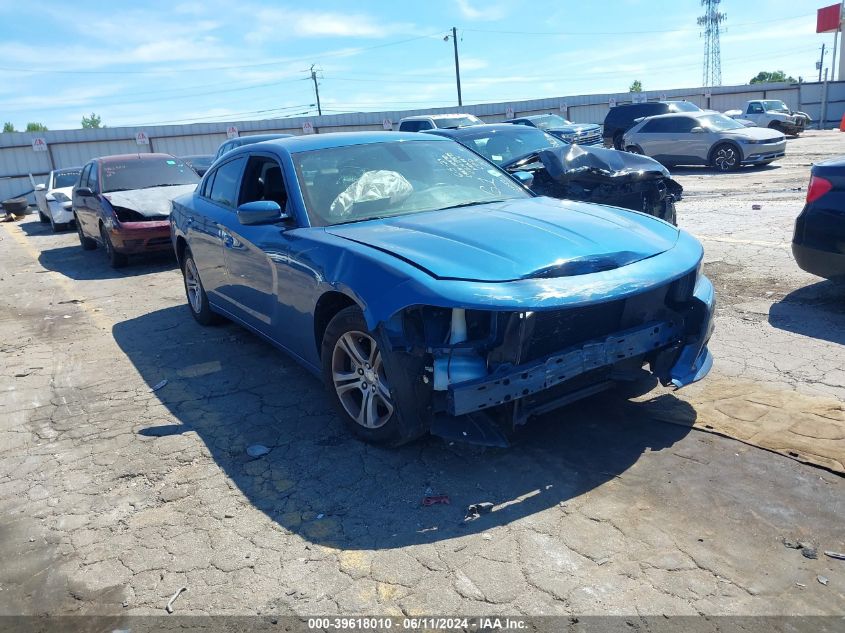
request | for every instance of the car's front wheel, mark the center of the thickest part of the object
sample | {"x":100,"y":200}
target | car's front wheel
{"x":725,"y":157}
{"x":355,"y":376}
{"x":116,"y":260}
{"x":633,"y":149}
{"x":42,"y":217}
{"x":194,"y":291}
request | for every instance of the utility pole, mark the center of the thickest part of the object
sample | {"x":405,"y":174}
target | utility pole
{"x":316,"y":90}
{"x":821,"y":64}
{"x":457,"y":65}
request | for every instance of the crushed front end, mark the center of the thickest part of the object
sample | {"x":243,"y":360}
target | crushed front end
{"x":479,"y":370}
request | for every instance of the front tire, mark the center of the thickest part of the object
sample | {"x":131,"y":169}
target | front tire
{"x":617,"y":140}
{"x":195,"y":293}
{"x":633,"y":149}
{"x":43,"y":218}
{"x":355,"y":377}
{"x":725,"y":157}
{"x":116,"y":260}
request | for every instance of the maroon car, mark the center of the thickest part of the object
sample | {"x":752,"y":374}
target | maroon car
{"x":122,"y":202}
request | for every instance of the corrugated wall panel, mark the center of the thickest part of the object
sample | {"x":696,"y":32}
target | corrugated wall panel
{"x":188,"y":145}
{"x":736,"y":101}
{"x":13,"y":187}
{"x":19,"y":161}
{"x":77,"y":154}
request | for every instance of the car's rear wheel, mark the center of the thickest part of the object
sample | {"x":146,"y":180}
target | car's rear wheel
{"x":355,"y":376}
{"x":633,"y":149}
{"x":87,"y":243}
{"x":116,"y":260}
{"x":43,"y":218}
{"x":725,"y":157}
{"x":194,"y":291}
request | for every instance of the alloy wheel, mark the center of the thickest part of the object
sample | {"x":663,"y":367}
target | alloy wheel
{"x":193,"y":286}
{"x":359,"y":380}
{"x":725,"y":158}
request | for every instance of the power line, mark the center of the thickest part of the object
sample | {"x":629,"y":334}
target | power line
{"x":341,"y":53}
{"x":597,"y":33}
{"x":228,"y":116}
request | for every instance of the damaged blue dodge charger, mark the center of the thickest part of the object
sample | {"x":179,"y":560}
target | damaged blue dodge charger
{"x":432,"y":291}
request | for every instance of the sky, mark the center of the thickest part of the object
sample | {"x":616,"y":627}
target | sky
{"x":183,"y":61}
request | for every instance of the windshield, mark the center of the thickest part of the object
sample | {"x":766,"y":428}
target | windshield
{"x":68,"y":178}
{"x":719,"y":123}
{"x":684,"y":106}
{"x":774,"y":105}
{"x":502,"y":147}
{"x":144,"y":173}
{"x":549,"y":121}
{"x":363,"y":182}
{"x":457,"y":121}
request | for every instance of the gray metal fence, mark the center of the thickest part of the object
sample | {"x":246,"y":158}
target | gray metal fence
{"x":68,"y":148}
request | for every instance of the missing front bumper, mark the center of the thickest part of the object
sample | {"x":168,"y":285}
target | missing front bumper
{"x":553,"y":370}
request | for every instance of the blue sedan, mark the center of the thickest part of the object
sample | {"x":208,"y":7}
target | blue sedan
{"x":433,"y":291}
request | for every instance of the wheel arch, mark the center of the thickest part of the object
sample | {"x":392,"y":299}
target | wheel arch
{"x":328,"y":305}
{"x":721,"y":142}
{"x":180,"y":247}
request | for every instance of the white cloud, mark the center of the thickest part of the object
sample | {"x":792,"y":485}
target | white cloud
{"x":489,"y":13}
{"x":277,"y":23}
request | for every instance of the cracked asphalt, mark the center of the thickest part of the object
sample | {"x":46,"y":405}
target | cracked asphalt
{"x":114,"y":495}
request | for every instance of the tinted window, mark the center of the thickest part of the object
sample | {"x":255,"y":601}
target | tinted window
{"x":504,"y":146}
{"x":669,"y":125}
{"x":124,"y":175}
{"x":227,"y":178}
{"x":94,"y":178}
{"x":263,"y":180}
{"x":65,"y":178}
{"x":83,"y":179}
{"x":410,"y":126}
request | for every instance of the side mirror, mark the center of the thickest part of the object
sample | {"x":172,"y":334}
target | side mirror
{"x":84,"y":191}
{"x":697,"y":129}
{"x":40,"y":187}
{"x":261,"y":212}
{"x":524,"y":177}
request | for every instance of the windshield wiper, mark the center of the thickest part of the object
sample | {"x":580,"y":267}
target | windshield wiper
{"x":471,"y":204}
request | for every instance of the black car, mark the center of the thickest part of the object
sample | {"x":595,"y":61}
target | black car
{"x":622,"y":118}
{"x":819,"y":240}
{"x":574,"y":172}
{"x":232,"y":143}
{"x":577,"y":133}
{"x":199,"y":162}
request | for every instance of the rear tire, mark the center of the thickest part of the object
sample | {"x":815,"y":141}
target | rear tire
{"x":195,"y":293}
{"x":355,"y":378}
{"x":86,"y":242}
{"x":725,"y":157}
{"x":116,"y":260}
{"x":43,"y":218}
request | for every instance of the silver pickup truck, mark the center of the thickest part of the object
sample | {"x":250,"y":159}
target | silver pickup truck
{"x":772,"y":113}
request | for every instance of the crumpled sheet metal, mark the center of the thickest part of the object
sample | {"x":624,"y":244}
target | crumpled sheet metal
{"x":574,"y":161}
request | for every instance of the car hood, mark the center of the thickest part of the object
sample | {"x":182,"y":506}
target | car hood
{"x":756,"y":133}
{"x":150,"y":202}
{"x":68,"y":191}
{"x":576,"y":161}
{"x":516,"y":239}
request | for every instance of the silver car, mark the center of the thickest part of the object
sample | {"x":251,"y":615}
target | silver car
{"x":704,"y":138}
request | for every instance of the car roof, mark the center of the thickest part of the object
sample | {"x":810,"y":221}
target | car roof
{"x":672,"y":115}
{"x":257,"y":138}
{"x":65,"y":169}
{"x":423,"y":117}
{"x":309,"y":142}
{"x":113,"y":158}
{"x":475,"y":129}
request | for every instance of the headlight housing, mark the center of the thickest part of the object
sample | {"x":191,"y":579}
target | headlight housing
{"x":58,"y":196}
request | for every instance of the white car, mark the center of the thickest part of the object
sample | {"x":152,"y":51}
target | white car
{"x":704,"y":138}
{"x":54,"y":203}
{"x":772,"y":113}
{"x":434,"y":121}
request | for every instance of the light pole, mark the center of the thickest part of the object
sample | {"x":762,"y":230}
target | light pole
{"x":454,"y":37}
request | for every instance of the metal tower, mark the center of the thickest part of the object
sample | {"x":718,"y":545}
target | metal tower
{"x":712,"y":23}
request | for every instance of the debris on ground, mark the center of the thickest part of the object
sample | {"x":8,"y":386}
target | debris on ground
{"x":158,"y":385}
{"x":823,"y":580}
{"x":475,"y":510}
{"x":431,"y":500}
{"x":257,"y":450}
{"x":169,"y":607}
{"x":809,"y":552}
{"x":756,"y":207}
{"x":836,"y":555}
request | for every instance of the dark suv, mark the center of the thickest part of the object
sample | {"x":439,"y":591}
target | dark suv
{"x":621,"y":118}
